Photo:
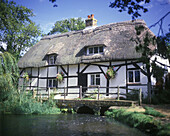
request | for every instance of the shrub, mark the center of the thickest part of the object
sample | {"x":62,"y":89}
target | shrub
{"x":165,"y":130}
{"x":25,"y":104}
{"x":162,"y":98}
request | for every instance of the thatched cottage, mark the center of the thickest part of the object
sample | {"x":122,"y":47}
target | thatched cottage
{"x":86,"y":58}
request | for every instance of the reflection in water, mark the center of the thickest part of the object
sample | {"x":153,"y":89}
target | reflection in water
{"x":63,"y":125}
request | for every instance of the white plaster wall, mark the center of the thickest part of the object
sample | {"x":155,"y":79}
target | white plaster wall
{"x":52,"y":72}
{"x":42,"y":82}
{"x":73,"y":70}
{"x":161,"y":60}
{"x":34,"y":71}
{"x":34,"y":82}
{"x":92,"y":69}
{"x":144,"y":89}
{"x":63,"y":83}
{"x":72,"y":81}
{"x":43,"y":72}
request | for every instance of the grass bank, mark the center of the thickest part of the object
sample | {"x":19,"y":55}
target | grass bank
{"x":143,"y":121}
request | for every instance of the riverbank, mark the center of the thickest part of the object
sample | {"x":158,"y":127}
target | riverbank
{"x":145,"y":118}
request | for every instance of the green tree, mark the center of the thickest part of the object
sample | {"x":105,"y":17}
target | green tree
{"x":8,"y":76}
{"x":133,"y":7}
{"x":17,"y":30}
{"x":68,"y":25}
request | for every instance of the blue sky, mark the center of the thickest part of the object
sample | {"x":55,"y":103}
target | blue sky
{"x":46,"y":15}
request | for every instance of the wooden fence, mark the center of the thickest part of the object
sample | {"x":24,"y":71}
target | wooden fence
{"x":80,"y":93}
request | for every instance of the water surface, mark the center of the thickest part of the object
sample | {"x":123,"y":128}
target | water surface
{"x":63,"y":125}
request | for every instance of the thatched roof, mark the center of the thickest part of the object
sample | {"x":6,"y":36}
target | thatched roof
{"x":70,"y":46}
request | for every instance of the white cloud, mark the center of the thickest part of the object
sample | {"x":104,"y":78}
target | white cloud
{"x":47,"y":27}
{"x":148,"y":5}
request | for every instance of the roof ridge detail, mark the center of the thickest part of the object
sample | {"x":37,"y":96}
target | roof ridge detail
{"x":84,"y":31}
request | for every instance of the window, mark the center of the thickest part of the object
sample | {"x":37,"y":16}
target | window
{"x":134,"y":76}
{"x":51,"y":60}
{"x":52,"y":83}
{"x":95,"y":50}
{"x":95,"y":79}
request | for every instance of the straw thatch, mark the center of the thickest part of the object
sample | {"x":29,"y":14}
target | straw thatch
{"x":70,"y":47}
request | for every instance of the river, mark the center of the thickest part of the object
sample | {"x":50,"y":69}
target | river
{"x":63,"y":125}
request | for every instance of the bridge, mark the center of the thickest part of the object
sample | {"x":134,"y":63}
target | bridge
{"x":92,"y":106}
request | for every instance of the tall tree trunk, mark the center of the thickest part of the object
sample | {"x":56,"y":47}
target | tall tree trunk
{"x":149,"y":84}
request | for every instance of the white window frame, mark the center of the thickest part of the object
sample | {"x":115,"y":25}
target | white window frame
{"x":51,"y":57}
{"x":98,"y":52}
{"x":134,"y":76}
{"x":95,"y":77}
{"x":52,"y":86}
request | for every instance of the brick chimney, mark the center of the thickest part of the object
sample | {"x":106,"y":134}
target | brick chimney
{"x":91,"y":21}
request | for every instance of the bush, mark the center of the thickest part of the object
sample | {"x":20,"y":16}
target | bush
{"x":165,"y":130}
{"x":25,"y":104}
{"x":162,"y":98}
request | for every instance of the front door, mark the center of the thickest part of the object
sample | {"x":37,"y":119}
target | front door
{"x":83,"y":81}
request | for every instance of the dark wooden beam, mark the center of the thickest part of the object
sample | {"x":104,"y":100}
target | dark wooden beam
{"x":30,"y":79}
{"x":102,"y":71}
{"x":97,"y":65}
{"x":21,"y":71}
{"x":63,"y":70}
{"x":85,"y":68}
{"x":126,"y":77}
{"x":137,"y":66}
{"x":118,"y":68}
{"x":78,"y":72}
{"x":67,"y":78}
{"x":107,"y":89}
{"x":57,"y":80}
{"x":38,"y":79}
{"x":47,"y":79}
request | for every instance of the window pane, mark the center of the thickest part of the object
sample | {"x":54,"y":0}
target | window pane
{"x":100,"y":49}
{"x":130,"y":76}
{"x":95,"y":49}
{"x":51,"y":60}
{"x":54,"y":83}
{"x":97,"y":81}
{"x":50,"y":83}
{"x":137,"y":76}
{"x":90,"y":50}
{"x":92,"y":80}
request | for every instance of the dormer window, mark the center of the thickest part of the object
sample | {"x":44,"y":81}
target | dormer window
{"x":52,"y":59}
{"x":95,"y":50}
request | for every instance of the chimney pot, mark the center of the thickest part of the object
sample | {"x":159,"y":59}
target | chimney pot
{"x":91,"y":21}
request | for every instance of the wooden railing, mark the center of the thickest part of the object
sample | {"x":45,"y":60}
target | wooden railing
{"x":65,"y":93}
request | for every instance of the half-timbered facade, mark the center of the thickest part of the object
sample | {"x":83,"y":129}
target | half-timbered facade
{"x":84,"y":57}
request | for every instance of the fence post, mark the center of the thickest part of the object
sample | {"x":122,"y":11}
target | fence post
{"x":40,"y":97}
{"x":64,"y":92}
{"x":80,"y":92}
{"x":98,"y":91}
{"x":117,"y":92}
{"x":140,"y":97}
{"x":33,"y":93}
{"x":49,"y":93}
